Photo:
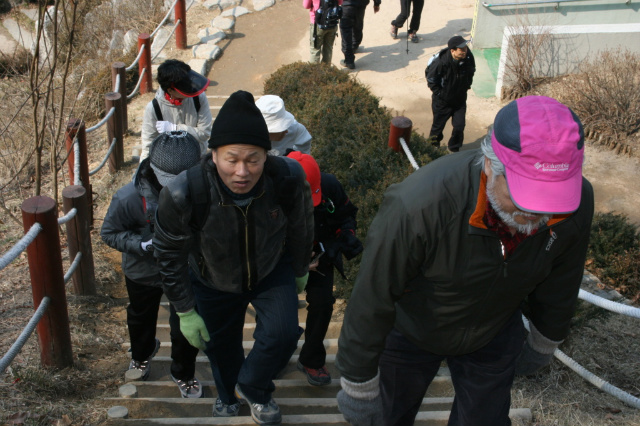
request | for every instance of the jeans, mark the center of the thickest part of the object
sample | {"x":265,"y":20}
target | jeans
{"x":319,"y":310}
{"x":405,"y":10}
{"x":276,"y":334}
{"x":322,"y":44}
{"x":482,"y":379}
{"x":441,"y":113}
{"x":142,"y":317}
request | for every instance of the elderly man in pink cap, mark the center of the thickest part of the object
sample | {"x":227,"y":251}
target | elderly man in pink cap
{"x":452,"y":253}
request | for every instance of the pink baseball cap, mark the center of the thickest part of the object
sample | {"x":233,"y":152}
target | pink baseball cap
{"x":541,"y":144}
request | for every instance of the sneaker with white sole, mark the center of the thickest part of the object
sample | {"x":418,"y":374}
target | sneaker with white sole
{"x":188,"y":388}
{"x":144,"y":366}
{"x":220,"y":409}
{"x":262,"y":414}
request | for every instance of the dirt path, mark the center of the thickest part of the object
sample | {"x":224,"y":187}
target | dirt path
{"x":264,"y":41}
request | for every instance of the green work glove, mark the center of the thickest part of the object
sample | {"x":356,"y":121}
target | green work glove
{"x":193,"y":329}
{"x":301,"y":282}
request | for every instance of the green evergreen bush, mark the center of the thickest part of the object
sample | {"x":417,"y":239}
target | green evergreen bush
{"x":614,"y":253}
{"x":350,"y":138}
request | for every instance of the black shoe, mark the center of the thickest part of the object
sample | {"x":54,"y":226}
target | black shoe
{"x":351,"y":65}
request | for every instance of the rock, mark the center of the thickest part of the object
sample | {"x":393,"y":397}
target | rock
{"x":129,"y":40}
{"x":222,"y":23}
{"x":259,"y":5}
{"x":159,"y":41}
{"x":211,"y":35}
{"x":128,"y":391}
{"x":200,"y":65}
{"x":118,"y":412}
{"x":236,"y":11}
{"x":117,"y":41}
{"x":206,"y":51}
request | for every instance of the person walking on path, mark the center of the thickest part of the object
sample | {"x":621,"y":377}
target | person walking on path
{"x":351,"y":26}
{"x":129,"y":228}
{"x":451,"y":255}
{"x":284,"y":131}
{"x":334,"y":218}
{"x":322,"y":35}
{"x":414,"y":24}
{"x":449,"y":76}
{"x":180,"y":103}
{"x":238,"y":229}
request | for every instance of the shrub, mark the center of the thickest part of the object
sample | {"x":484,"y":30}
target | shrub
{"x":350,"y":132}
{"x":614,"y":253}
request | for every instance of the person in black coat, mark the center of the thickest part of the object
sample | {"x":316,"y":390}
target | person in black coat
{"x":334,"y":217}
{"x":449,"y":76}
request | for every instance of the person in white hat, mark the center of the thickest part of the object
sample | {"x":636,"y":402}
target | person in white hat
{"x":284,"y":131}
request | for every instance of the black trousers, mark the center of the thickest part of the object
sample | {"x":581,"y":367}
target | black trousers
{"x":142,"y":318}
{"x":320,"y":302}
{"x":351,"y":25}
{"x":482,"y":379}
{"x":405,"y":10}
{"x":442,"y":112}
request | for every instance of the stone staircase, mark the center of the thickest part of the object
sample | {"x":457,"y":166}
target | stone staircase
{"x":157,"y":401}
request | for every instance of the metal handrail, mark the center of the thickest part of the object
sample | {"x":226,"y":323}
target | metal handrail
{"x":20,"y":246}
{"x":22,"y":339}
{"x":102,"y":122}
{"x":165,"y":19}
{"x":524,"y":3}
{"x":135,"y":89}
{"x":130,"y":67}
{"x":167,"y":40}
{"x":106,"y":157}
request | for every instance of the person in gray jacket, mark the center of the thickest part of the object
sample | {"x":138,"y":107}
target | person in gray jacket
{"x":129,"y":228}
{"x":284,"y":131}
{"x":241,"y":225}
{"x":452,"y":253}
{"x":180,"y":103}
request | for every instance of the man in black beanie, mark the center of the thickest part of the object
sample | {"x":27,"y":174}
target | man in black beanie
{"x":249,"y":241}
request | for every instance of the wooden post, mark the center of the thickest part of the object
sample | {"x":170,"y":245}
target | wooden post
{"x":79,"y":240}
{"x":119,"y":69}
{"x":114,"y":130}
{"x":47,"y":279}
{"x":181,"y":30}
{"x":76,"y":128}
{"x":145,"y":63}
{"x":400,"y":128}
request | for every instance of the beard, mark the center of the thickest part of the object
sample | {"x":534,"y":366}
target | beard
{"x":509,"y":219}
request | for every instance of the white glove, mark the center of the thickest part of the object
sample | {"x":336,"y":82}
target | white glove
{"x":147,"y":245}
{"x":165,"y":126}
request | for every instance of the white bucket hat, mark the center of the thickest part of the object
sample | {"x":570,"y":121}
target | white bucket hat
{"x":278,"y":119}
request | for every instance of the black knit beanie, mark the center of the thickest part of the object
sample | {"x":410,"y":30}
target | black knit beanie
{"x":240,"y":122}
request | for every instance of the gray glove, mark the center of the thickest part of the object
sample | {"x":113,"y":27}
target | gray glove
{"x":360,"y":403}
{"x":537,"y":353}
{"x":147,"y":245}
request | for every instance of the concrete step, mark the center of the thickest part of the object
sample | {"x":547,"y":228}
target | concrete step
{"x":331,"y":346}
{"x":333,"y":332}
{"x":424,"y":418}
{"x":202,"y":407}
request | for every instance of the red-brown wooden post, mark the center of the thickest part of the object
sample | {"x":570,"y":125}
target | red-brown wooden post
{"x":181,"y":29}
{"x":79,"y":240}
{"x":76,"y":128}
{"x":119,"y":69}
{"x":114,"y":130}
{"x":400,"y":128}
{"x":47,"y":279}
{"x":145,"y":63}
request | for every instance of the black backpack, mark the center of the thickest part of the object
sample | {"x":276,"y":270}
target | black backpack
{"x":156,"y":106}
{"x":328,"y":14}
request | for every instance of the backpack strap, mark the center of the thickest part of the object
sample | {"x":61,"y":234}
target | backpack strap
{"x":196,"y":103}
{"x":286,"y":173}
{"x":200,"y":196}
{"x":156,"y":107}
